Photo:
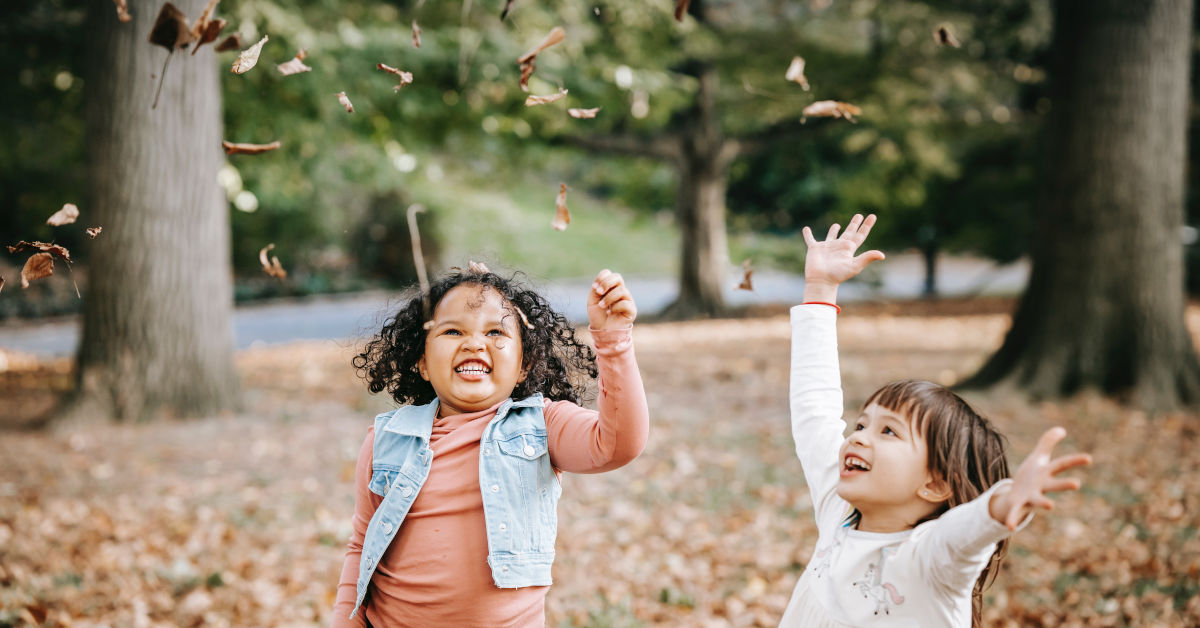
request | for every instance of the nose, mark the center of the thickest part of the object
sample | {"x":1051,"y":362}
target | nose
{"x":858,"y":437}
{"x":473,"y":342}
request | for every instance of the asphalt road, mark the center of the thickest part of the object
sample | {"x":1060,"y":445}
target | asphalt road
{"x":360,"y":315}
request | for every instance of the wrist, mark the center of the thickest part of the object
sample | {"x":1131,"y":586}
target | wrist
{"x":998,"y":505}
{"x":820,"y":291}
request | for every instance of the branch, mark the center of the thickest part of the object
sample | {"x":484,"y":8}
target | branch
{"x":661,"y":147}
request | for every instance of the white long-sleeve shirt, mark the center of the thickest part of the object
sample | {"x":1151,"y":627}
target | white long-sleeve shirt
{"x":921,"y":577}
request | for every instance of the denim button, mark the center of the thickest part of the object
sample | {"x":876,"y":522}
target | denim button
{"x":487,"y":450}
{"x":529,"y":450}
{"x":495,"y":488}
{"x":503,"y":527}
{"x":406,"y":491}
{"x":504,"y":568}
{"x":387,"y":527}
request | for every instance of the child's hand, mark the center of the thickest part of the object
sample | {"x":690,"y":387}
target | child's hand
{"x":1034,"y":478}
{"x":609,"y":304}
{"x":832,"y":261}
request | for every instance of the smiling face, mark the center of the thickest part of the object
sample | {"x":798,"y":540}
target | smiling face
{"x":473,"y":351}
{"x":885,"y":473}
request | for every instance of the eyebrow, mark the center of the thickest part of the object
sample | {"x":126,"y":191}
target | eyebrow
{"x":458,"y":323}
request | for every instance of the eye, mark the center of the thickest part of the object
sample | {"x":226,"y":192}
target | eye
{"x":451,"y":332}
{"x":858,"y":427}
{"x":888,"y":430}
{"x":496,"y":332}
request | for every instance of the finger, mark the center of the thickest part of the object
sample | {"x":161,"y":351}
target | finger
{"x":1061,"y":484}
{"x":1058,"y":465}
{"x":833,"y":232}
{"x":1015,"y":515}
{"x":611,"y":282}
{"x":1048,"y":440}
{"x":851,"y":231}
{"x":809,"y":240}
{"x":617,"y":293}
{"x":596,"y":283}
{"x":1043,"y":502}
{"x":866,"y":258}
{"x":624,"y":308}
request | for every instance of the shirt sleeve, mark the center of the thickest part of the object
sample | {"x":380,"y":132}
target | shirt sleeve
{"x":815,"y":395}
{"x":955,"y":547}
{"x":591,"y":441}
{"x":365,"y":503}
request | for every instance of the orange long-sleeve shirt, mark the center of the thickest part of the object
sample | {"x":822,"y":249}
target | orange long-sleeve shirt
{"x":435,"y":573}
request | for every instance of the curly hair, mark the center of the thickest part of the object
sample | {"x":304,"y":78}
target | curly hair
{"x":554,"y":359}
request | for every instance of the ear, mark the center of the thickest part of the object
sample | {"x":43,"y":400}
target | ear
{"x":935,"y":490}
{"x":524,"y":374}
{"x":421,"y":367}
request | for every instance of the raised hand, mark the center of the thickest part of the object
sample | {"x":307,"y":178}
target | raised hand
{"x":831,"y":261}
{"x":609,"y":304}
{"x":1037,"y":476}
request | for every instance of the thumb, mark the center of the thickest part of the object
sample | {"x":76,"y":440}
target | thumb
{"x":866,"y":258}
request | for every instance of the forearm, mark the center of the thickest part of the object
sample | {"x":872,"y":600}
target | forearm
{"x":365,"y":503}
{"x":815,"y":395}
{"x":347,"y":592}
{"x":590,"y":441}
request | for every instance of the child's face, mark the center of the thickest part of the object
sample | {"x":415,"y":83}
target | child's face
{"x":473,"y":351}
{"x":884,"y":468}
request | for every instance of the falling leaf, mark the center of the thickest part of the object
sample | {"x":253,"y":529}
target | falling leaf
{"x":341,"y":96}
{"x":416,"y":35}
{"x":57,"y":250}
{"x":944,"y":37}
{"x":94,"y":231}
{"x":405,"y":77}
{"x":271,"y":267}
{"x":64,"y":216}
{"x":210,"y":34}
{"x":832,"y":109}
{"x":249,"y":57}
{"x":746,"y":284}
{"x":248,"y":149}
{"x":2,"y":278}
{"x":795,"y":73}
{"x":583,"y":113}
{"x":205,"y":29}
{"x":123,"y":10}
{"x":507,"y":5}
{"x":562,"y":217}
{"x":556,"y":35}
{"x":545,"y":100}
{"x":294,"y":65}
{"x":233,"y":42}
{"x":38,"y":266}
{"x":171,"y":29}
{"x":477,"y":267}
{"x":681,"y":7}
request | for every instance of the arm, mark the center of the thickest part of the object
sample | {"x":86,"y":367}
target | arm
{"x":954,"y":548}
{"x":587,"y":441}
{"x":1035,"y":477}
{"x":365,"y":503}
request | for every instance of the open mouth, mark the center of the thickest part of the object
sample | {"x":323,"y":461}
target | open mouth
{"x":853,"y":463}
{"x":473,"y":367}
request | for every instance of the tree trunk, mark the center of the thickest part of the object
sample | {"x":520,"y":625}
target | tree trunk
{"x":929,"y":252}
{"x":1105,"y":305}
{"x":157,"y":309}
{"x":703,"y":168}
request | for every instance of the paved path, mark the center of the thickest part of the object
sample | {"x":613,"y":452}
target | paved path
{"x":361,"y":314}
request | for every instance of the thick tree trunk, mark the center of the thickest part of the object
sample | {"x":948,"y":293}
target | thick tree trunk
{"x":1105,"y":305}
{"x":929,"y":253}
{"x":156,"y":323}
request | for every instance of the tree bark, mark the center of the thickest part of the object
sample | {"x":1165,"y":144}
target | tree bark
{"x":157,"y":309}
{"x":1105,"y":305}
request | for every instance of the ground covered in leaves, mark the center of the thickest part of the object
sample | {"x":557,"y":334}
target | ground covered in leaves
{"x":241,"y":520}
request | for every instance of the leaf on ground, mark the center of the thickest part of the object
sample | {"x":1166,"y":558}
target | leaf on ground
{"x":416,"y":35}
{"x":795,"y":73}
{"x":232,"y":148}
{"x":123,"y":11}
{"x":555,"y":36}
{"x":945,"y":37}
{"x":64,"y":216}
{"x":294,"y":65}
{"x":57,"y":250}
{"x":171,"y":29}
{"x":249,"y":57}
{"x":747,"y":272}
{"x":38,"y":266}
{"x":272,"y":266}
{"x":341,"y":96}
{"x":562,"y":217}
{"x":233,"y":42}
{"x":583,"y":113}
{"x":681,"y":7}
{"x":532,"y":100}
{"x":832,"y":109}
{"x":92,"y":232}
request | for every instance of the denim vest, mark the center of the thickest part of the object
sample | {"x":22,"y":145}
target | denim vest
{"x":520,"y":489}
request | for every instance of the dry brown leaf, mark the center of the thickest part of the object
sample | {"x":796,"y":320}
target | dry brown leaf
{"x":294,"y":65}
{"x":545,"y":100}
{"x":405,"y":77}
{"x":94,"y":231}
{"x":171,"y":28}
{"x":507,"y":5}
{"x":527,"y":69}
{"x":211,"y":32}
{"x":746,"y":284}
{"x":416,"y":35}
{"x":795,"y":73}
{"x":944,"y":37}
{"x":681,"y":7}
{"x":38,"y":266}
{"x":562,"y":217}
{"x":832,"y":109}
{"x":123,"y":11}
{"x":233,"y":42}
{"x":57,"y":250}
{"x":583,"y":113}
{"x":341,"y":96}
{"x":206,"y":29}
{"x":249,"y":57}
{"x":232,"y":148}
{"x":526,"y":61}
{"x":64,"y":216}
{"x":272,"y":266}
{"x":477,"y":267}
{"x":1,"y":283}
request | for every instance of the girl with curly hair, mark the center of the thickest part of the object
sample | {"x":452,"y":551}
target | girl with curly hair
{"x":456,"y":491}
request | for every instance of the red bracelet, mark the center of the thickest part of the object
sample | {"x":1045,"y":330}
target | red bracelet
{"x":839,"y":310}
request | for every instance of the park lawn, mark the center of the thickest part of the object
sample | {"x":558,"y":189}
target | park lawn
{"x":241,"y":520}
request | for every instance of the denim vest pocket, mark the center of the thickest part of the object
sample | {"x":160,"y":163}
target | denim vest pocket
{"x":382,"y":479}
